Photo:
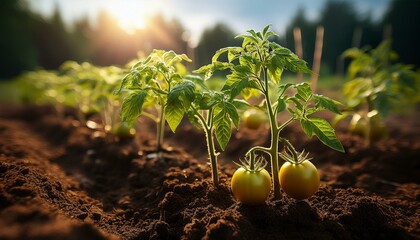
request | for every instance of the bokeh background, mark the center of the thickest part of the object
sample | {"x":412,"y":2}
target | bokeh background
{"x":42,"y":34}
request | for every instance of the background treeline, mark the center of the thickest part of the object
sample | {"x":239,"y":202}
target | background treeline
{"x":29,"y":41}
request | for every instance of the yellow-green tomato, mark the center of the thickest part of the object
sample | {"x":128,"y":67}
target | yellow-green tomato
{"x":299,"y":181}
{"x":369,"y":126}
{"x":251,"y":188}
{"x":124,"y":131}
{"x":253,"y":119}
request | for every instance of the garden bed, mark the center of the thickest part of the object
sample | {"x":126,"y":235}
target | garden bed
{"x":62,"y":180}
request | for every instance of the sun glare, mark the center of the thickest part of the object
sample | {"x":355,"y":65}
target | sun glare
{"x":131,"y":16}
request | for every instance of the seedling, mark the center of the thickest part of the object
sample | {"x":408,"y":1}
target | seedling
{"x":257,"y":66}
{"x":155,"y":88}
{"x":376,"y":87}
{"x":92,"y":89}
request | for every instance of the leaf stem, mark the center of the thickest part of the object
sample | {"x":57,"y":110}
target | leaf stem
{"x":285,"y":124}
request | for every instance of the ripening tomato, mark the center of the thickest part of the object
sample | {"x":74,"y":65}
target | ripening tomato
{"x":370,"y":126}
{"x":253,"y":118}
{"x":124,"y":131}
{"x":251,"y":188}
{"x":299,"y":181}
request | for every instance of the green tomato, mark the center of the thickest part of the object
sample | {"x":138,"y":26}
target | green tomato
{"x":89,"y":110}
{"x":124,"y":131}
{"x":370,"y":126}
{"x":299,"y":181}
{"x":253,"y":119}
{"x":251,"y":188}
{"x":358,"y":125}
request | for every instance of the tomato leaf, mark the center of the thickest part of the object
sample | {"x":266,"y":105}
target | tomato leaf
{"x":197,"y":80}
{"x":223,"y":128}
{"x":174,"y":112}
{"x":307,"y":127}
{"x":281,"y":104}
{"x":233,"y":113}
{"x":179,"y":101}
{"x":304,"y":92}
{"x":193,"y":120}
{"x":237,"y":81}
{"x":325,"y":133}
{"x":323,"y":102}
{"x":274,"y":69}
{"x":132,"y":106}
{"x":283,"y":88}
{"x":218,"y":53}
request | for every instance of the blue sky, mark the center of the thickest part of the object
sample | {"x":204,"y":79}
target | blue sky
{"x":196,"y":15}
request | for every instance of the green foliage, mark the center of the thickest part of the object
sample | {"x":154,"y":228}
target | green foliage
{"x":157,"y":84}
{"x":377,"y":85}
{"x":179,"y":101}
{"x":258,"y":65}
{"x":159,"y":80}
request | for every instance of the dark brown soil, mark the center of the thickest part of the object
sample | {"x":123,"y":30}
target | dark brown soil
{"x":61,"y":180}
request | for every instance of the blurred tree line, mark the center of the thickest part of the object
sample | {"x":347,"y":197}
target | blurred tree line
{"x":29,"y":41}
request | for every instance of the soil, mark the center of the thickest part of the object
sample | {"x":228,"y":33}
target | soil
{"x":62,"y":180}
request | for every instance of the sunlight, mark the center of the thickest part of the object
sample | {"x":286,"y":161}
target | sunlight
{"x":131,"y":16}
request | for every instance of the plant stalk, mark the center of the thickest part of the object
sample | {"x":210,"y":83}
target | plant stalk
{"x":274,"y":147}
{"x":208,"y":130}
{"x":160,"y":130}
{"x":212,"y":155}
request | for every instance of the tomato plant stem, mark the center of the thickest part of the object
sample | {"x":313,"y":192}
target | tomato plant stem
{"x":160,"y":130}
{"x":208,"y":130}
{"x":274,"y":147}
{"x":212,"y":156}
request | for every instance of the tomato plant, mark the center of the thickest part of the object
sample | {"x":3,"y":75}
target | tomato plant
{"x":156,"y":84}
{"x":299,"y":180}
{"x":251,"y":183}
{"x":253,"y":118}
{"x":376,"y":87}
{"x":256,"y":67}
{"x":213,"y":112}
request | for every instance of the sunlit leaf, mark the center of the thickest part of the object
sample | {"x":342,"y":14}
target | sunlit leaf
{"x":281,"y":104}
{"x":325,"y":133}
{"x":174,"y":112}
{"x":132,"y":106}
{"x":323,"y":102}
{"x":222,"y":125}
{"x":233,"y":113}
{"x":303,"y":91}
{"x":307,"y":127}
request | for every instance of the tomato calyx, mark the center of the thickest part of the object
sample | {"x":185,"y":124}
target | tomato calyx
{"x":253,"y":164}
{"x":294,"y":157}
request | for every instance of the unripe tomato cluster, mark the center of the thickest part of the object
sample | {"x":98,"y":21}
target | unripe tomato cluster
{"x":299,"y":181}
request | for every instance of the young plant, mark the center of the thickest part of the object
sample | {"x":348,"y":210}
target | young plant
{"x":257,"y":66}
{"x":92,"y":88}
{"x":377,"y":86}
{"x":155,"y":88}
{"x":213,"y":112}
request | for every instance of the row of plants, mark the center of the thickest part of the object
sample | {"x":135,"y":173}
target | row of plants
{"x":159,"y":87}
